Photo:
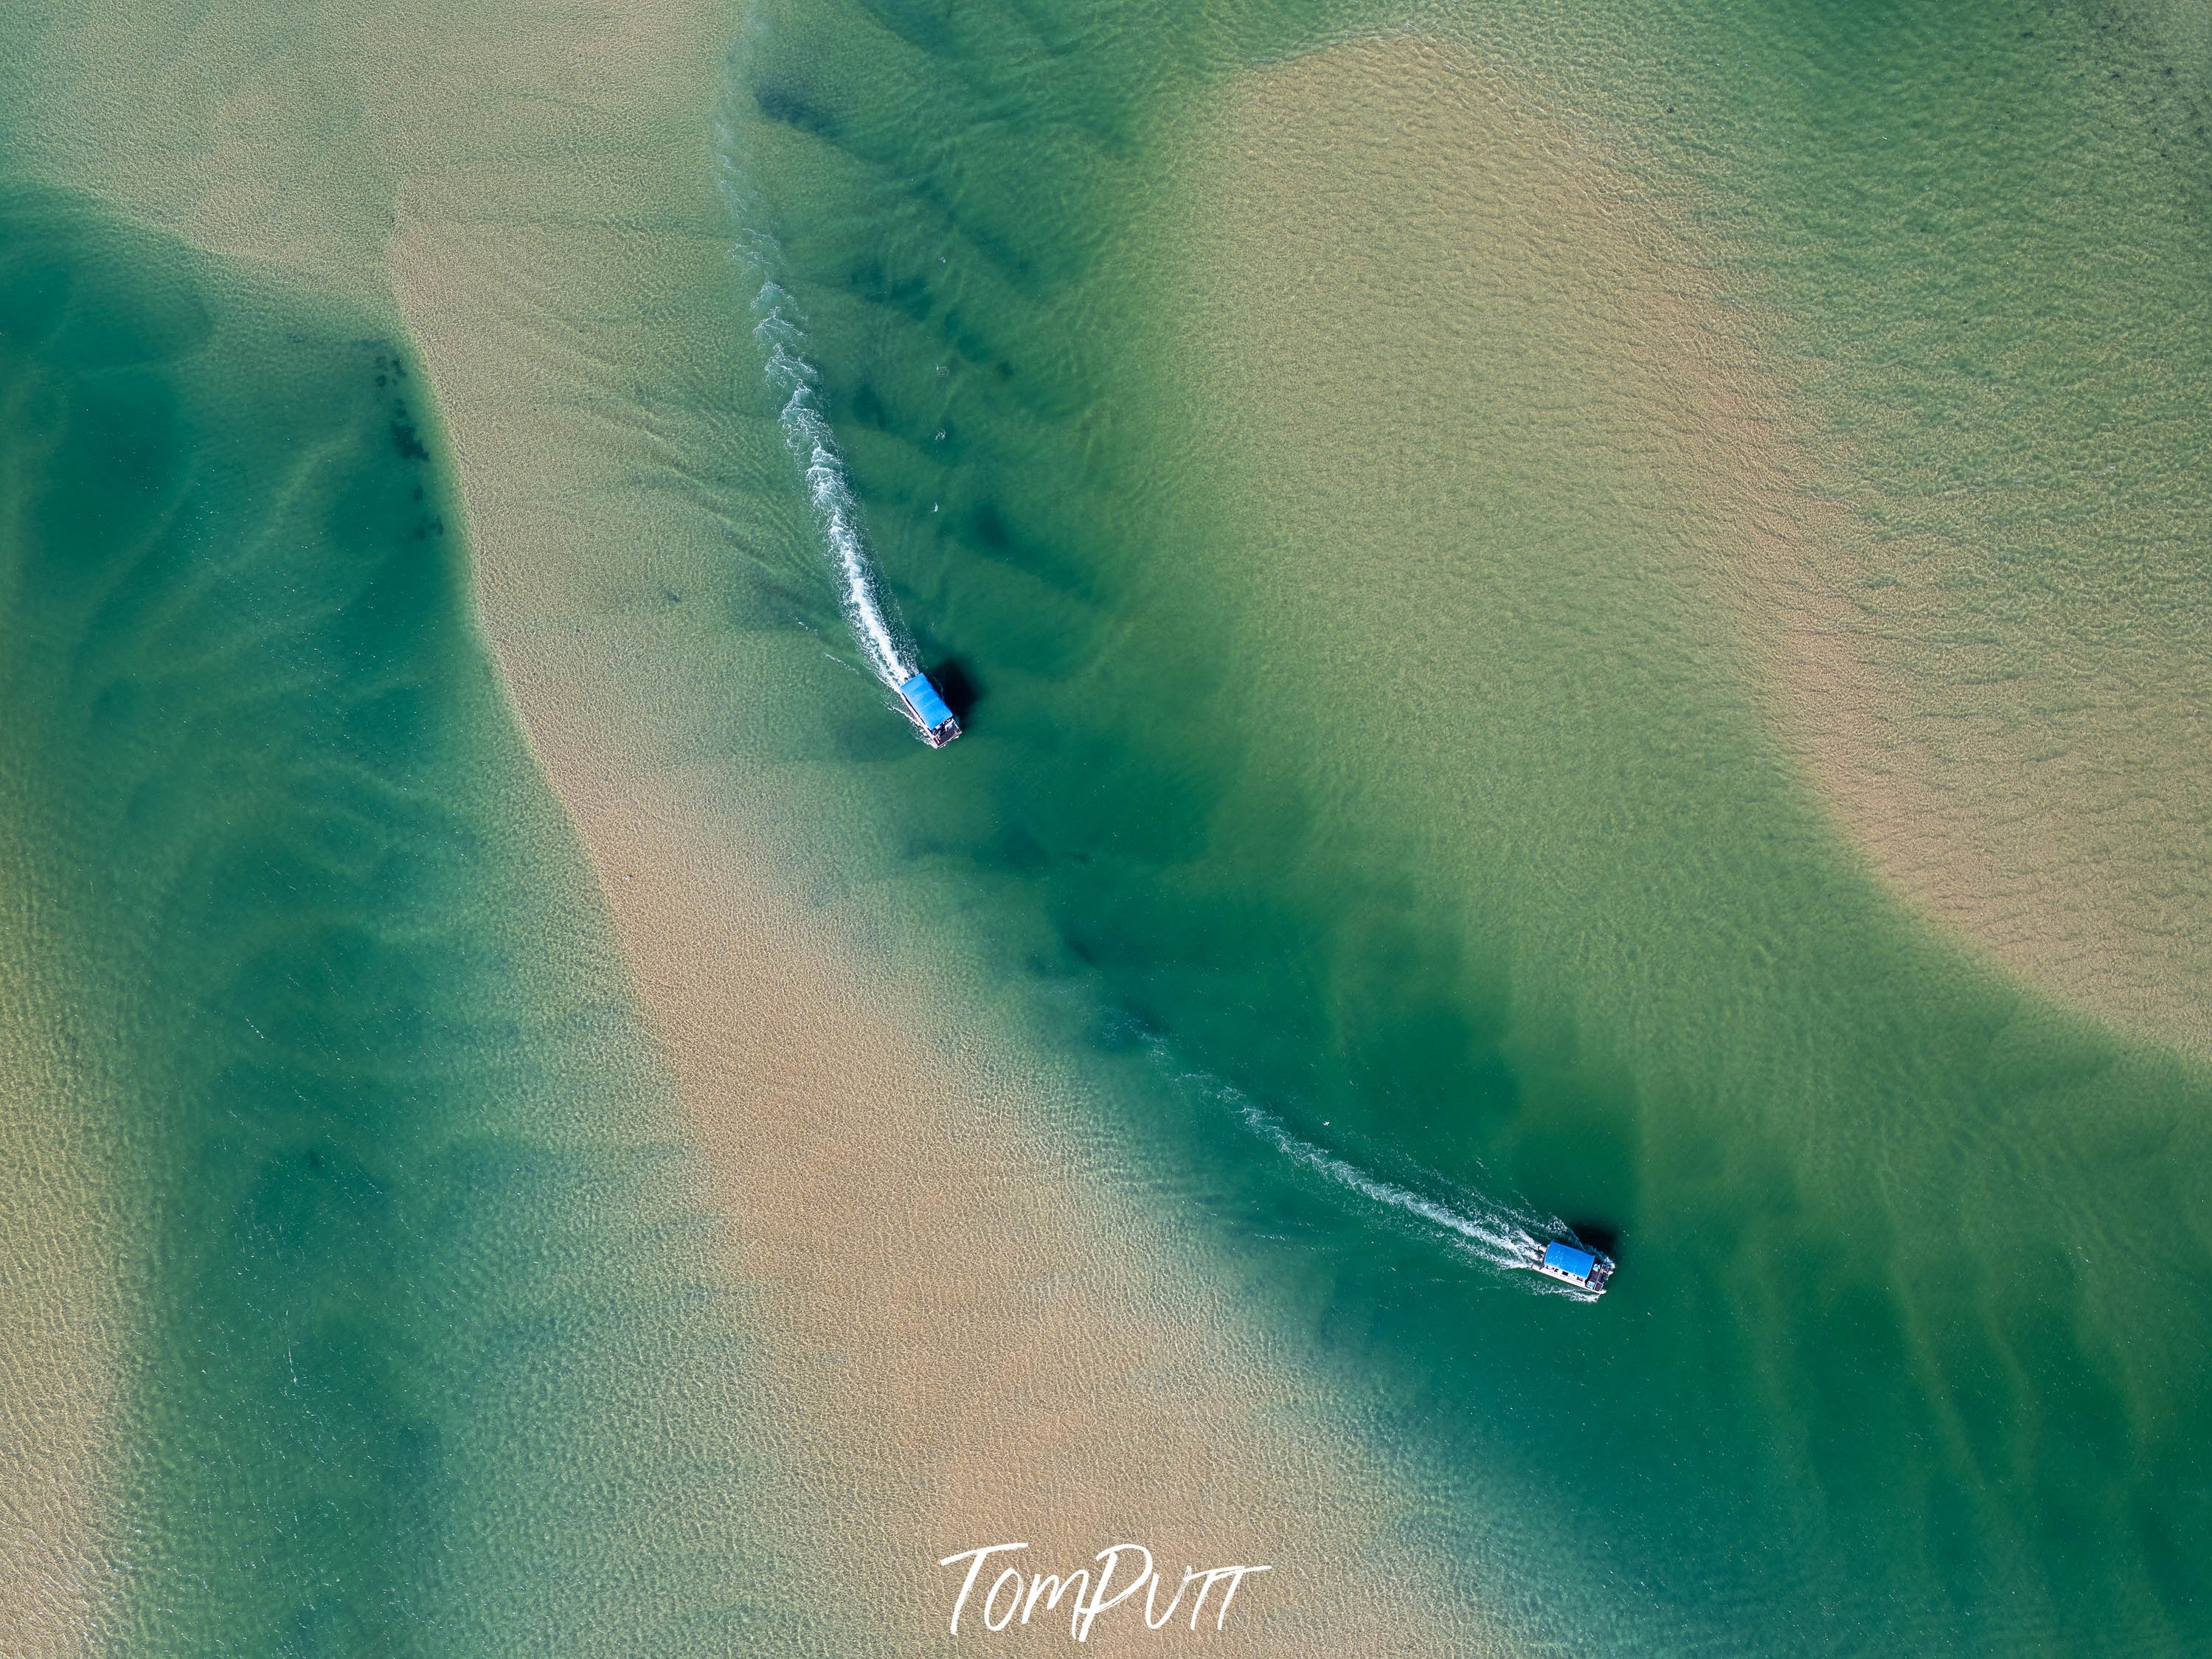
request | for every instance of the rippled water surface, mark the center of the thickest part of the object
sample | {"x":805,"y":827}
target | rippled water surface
{"x":356,"y":1087}
{"x":1570,"y":618}
{"x":1356,"y":480}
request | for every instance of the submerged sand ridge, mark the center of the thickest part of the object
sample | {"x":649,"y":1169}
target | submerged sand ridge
{"x":978,"y":1336}
{"x":2015,"y":735}
{"x":972,"y":1333}
{"x":1524,"y":513}
{"x":971,"y":1329}
{"x":2005,"y":721}
{"x":2057,"y":815}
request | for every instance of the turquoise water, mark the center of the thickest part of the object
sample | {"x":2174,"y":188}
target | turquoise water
{"x":420,"y":1353}
{"x":1388,"y":818}
{"x":1906,"y":1349}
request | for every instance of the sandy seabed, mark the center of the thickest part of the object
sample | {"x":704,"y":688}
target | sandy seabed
{"x":2019,"y":758}
{"x":971,"y":1330}
{"x":59,"y":1367}
{"x":974,"y":1333}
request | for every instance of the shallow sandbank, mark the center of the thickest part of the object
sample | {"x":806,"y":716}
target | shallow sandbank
{"x":59,"y":1370}
{"x":971,"y":1329}
{"x":969,"y":1326}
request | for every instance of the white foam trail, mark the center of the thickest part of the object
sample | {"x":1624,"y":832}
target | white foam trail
{"x":1482,"y":1229}
{"x":1479,"y":1228}
{"x":1489,"y":1231}
{"x":869,"y":612}
{"x":871,"y":616}
{"x":1497,"y":1238}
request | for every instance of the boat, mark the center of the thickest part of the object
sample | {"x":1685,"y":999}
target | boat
{"x":1570,"y":1264}
{"x":934,"y":722}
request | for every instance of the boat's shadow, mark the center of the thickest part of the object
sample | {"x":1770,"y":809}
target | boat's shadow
{"x":1596,"y":1235}
{"x":957,"y":686}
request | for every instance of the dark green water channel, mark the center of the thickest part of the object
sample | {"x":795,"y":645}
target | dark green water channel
{"x":417,"y":1359}
{"x":1907,"y":1351}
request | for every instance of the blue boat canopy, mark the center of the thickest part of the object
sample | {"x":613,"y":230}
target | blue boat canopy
{"x":1569,"y":1260}
{"x":921,"y":696}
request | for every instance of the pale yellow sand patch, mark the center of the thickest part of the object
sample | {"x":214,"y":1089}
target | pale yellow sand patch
{"x":1418,"y":304}
{"x":2058,"y":819}
{"x":1482,"y":421}
{"x":1420,"y":300}
{"x":976,"y":1335}
{"x":59,"y":1368}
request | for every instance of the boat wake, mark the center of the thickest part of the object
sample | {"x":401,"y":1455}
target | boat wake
{"x":1481,"y":1229}
{"x":870,"y":613}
